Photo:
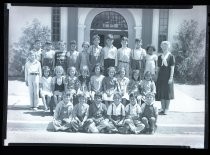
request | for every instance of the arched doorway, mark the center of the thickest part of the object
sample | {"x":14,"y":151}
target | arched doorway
{"x":109,"y":22}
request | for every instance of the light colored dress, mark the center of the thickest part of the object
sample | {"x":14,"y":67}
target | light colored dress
{"x":46,"y":86}
{"x":96,"y":84}
{"x":150,"y":63}
{"x":123,"y":84}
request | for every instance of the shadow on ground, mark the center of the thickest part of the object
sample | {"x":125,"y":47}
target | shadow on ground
{"x":18,"y":107}
{"x":38,"y":113}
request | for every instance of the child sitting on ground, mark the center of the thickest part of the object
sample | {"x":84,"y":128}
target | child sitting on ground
{"x":97,"y":115}
{"x":116,"y":114}
{"x":63,"y":114}
{"x":80,"y":114}
{"x":149,"y":113}
{"x":132,"y":116}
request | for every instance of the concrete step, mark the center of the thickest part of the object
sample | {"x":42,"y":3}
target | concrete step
{"x":161,"y":129}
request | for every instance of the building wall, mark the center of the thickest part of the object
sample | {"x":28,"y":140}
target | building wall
{"x":20,"y":17}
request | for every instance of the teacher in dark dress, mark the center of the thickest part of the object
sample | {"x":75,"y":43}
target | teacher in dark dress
{"x":165,"y":72}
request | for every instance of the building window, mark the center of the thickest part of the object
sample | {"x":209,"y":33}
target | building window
{"x":163,"y":27}
{"x":56,"y":21}
{"x":109,"y":20}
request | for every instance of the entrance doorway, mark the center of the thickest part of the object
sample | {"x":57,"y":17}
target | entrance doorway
{"x":109,"y":22}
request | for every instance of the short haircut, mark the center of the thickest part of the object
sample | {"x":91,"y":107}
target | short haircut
{"x":111,"y":68}
{"x":97,"y":65}
{"x":96,"y":37}
{"x":72,"y":68}
{"x":117,"y":94}
{"x":124,"y":38}
{"x":85,"y":43}
{"x":150,"y":46}
{"x":59,"y":68}
{"x":46,"y":68}
{"x":110,"y":36}
{"x":73,"y":42}
{"x":138,"y":40}
{"x":148,"y":73}
{"x":166,"y":42}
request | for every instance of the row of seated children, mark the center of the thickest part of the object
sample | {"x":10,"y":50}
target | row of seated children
{"x":52,"y":88}
{"x":97,"y":118}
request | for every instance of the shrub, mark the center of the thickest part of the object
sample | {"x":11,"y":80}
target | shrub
{"x":18,"y":51}
{"x":189,"y":51}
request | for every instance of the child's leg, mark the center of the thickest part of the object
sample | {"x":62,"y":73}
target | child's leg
{"x":152,"y":124}
{"x":36,"y":90}
{"x":139,"y":126}
{"x":48,"y":98}
{"x":44,"y":101}
{"x":145,"y":122}
{"x":30,"y":86}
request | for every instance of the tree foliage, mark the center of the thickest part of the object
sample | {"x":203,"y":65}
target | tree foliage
{"x":189,"y":50}
{"x":18,"y":51}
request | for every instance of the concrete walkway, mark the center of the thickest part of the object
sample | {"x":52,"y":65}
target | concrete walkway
{"x":18,"y":95}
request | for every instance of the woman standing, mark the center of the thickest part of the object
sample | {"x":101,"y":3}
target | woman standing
{"x":165,"y":72}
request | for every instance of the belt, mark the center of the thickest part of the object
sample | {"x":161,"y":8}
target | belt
{"x":123,"y":61}
{"x":34,"y":73}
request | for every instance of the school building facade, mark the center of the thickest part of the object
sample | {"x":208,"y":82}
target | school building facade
{"x":80,"y":24}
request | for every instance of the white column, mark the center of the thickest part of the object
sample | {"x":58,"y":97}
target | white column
{"x":64,"y":19}
{"x":81,"y":29}
{"x":138,"y":30}
{"x":155,"y":28}
{"x":170,"y":26}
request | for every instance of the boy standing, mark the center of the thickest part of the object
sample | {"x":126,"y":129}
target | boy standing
{"x":109,"y":54}
{"x":33,"y":73}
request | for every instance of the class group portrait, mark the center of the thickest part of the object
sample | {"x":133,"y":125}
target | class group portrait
{"x":137,"y":71}
{"x":101,"y":89}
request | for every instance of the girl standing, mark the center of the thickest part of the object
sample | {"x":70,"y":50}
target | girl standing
{"x":58,"y":84}
{"x":123,"y":84}
{"x":110,"y":86}
{"x":96,"y":81}
{"x":45,"y":87}
{"x":151,"y":61}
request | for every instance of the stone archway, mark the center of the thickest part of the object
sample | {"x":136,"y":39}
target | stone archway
{"x":124,"y":12}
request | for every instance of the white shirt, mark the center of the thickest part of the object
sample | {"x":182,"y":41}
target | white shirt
{"x":133,"y":110}
{"x":32,"y":67}
{"x":110,"y":52}
{"x":117,"y":110}
{"x":46,"y":84}
{"x":124,"y":54}
{"x":138,"y":54}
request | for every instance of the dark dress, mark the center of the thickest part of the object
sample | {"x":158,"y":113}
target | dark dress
{"x":164,"y":90}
